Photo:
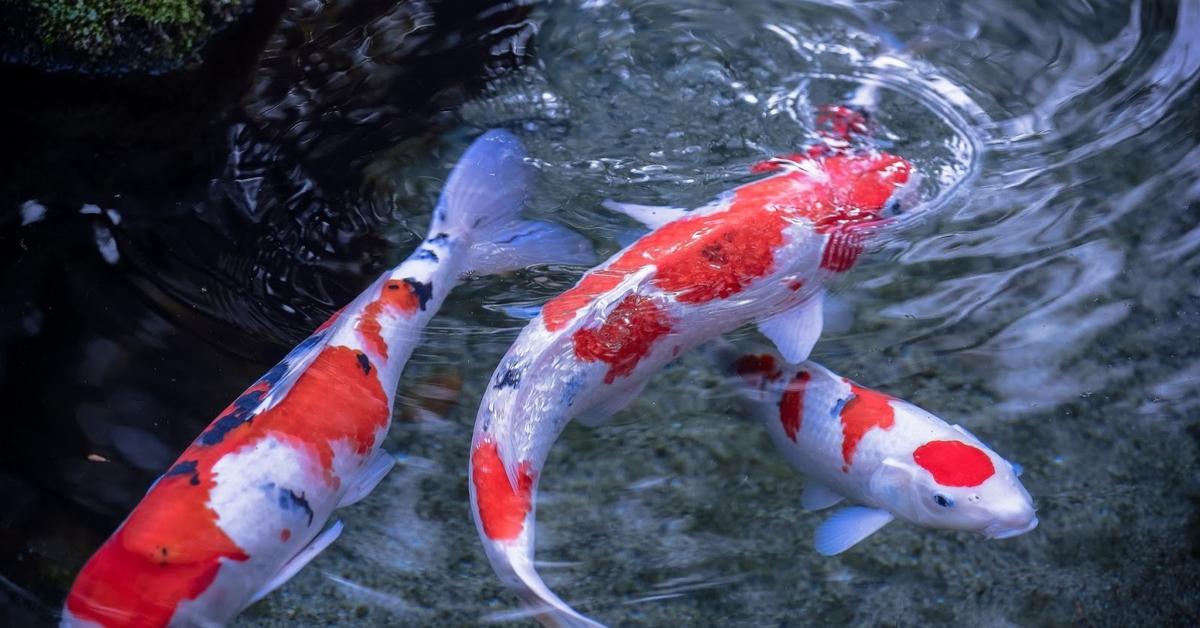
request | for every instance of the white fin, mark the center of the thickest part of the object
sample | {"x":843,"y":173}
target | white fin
{"x":846,"y":527}
{"x":368,"y":477}
{"x":302,"y":558}
{"x":795,"y":331}
{"x":543,"y":604}
{"x":817,"y":496}
{"x":482,"y":200}
{"x":652,"y":216}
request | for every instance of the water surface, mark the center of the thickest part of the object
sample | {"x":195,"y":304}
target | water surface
{"x":1045,"y":298}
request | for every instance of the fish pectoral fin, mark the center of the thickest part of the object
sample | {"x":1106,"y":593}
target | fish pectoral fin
{"x":846,"y":527}
{"x":653,"y":216}
{"x":302,"y":558}
{"x":797,"y":330}
{"x":614,"y":402}
{"x":817,"y":496}
{"x":368,"y":477}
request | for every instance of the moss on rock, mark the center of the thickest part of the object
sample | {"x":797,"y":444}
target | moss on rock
{"x":112,"y":35}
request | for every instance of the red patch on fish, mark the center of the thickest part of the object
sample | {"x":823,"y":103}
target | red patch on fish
{"x":502,"y":507}
{"x":758,"y":365}
{"x":168,"y":551}
{"x":791,"y":404}
{"x":841,"y":250}
{"x":722,"y":255}
{"x":717,"y":255}
{"x":954,"y":463}
{"x":625,"y":337}
{"x":866,"y":410}
{"x":839,"y":122}
{"x":285,"y":534}
{"x":170,"y":548}
{"x":395,"y":296}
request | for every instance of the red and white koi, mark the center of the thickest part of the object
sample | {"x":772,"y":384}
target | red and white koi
{"x":760,"y":253}
{"x":892,"y":458}
{"x":246,"y":505}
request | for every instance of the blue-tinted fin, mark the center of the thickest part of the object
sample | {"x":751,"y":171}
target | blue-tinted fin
{"x":847,"y":527}
{"x":482,"y":201}
{"x":817,"y":496}
{"x":302,"y":558}
{"x":367,"y":478}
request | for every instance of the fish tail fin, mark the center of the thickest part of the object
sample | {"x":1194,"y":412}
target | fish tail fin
{"x":513,"y":562}
{"x":482,"y":202}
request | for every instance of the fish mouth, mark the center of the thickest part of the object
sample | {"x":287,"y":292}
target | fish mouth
{"x":996,"y":531}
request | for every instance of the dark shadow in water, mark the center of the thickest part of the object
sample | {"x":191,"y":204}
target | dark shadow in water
{"x":164,"y":238}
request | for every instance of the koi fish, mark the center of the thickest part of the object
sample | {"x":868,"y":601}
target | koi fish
{"x":895,"y":460}
{"x":245,"y":506}
{"x":760,"y":253}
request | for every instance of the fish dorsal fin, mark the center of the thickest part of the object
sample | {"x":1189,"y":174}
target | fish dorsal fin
{"x":302,"y":558}
{"x":795,"y":331}
{"x":295,"y":364}
{"x":367,"y":478}
{"x":847,"y":527}
{"x":817,"y":496}
{"x":653,"y":216}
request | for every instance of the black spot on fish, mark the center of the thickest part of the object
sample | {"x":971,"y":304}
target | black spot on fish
{"x":424,"y":291}
{"x":511,"y":378}
{"x":276,"y":373}
{"x":427,"y":254}
{"x":290,"y":501}
{"x":186,"y":467}
{"x":364,"y":363}
{"x":241,"y":411}
{"x":439,"y":238}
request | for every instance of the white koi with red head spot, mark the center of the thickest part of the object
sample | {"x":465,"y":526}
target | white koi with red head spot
{"x":759,"y":254}
{"x":246,"y":505}
{"x":891,"y":457}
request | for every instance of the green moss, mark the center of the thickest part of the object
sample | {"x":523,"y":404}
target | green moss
{"x":150,"y":33}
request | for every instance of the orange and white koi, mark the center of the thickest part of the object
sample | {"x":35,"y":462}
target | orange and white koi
{"x":760,"y":253}
{"x":246,"y":505}
{"x":893,"y":459}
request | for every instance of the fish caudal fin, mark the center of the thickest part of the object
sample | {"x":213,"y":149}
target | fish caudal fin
{"x":513,"y":562}
{"x":482,"y":201}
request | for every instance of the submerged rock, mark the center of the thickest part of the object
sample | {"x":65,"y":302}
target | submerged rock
{"x":112,"y":36}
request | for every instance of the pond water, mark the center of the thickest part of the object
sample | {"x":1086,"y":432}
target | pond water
{"x":1047,"y":298}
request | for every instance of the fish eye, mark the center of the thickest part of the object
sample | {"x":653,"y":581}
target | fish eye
{"x":893,"y":207}
{"x":943,"y":500}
